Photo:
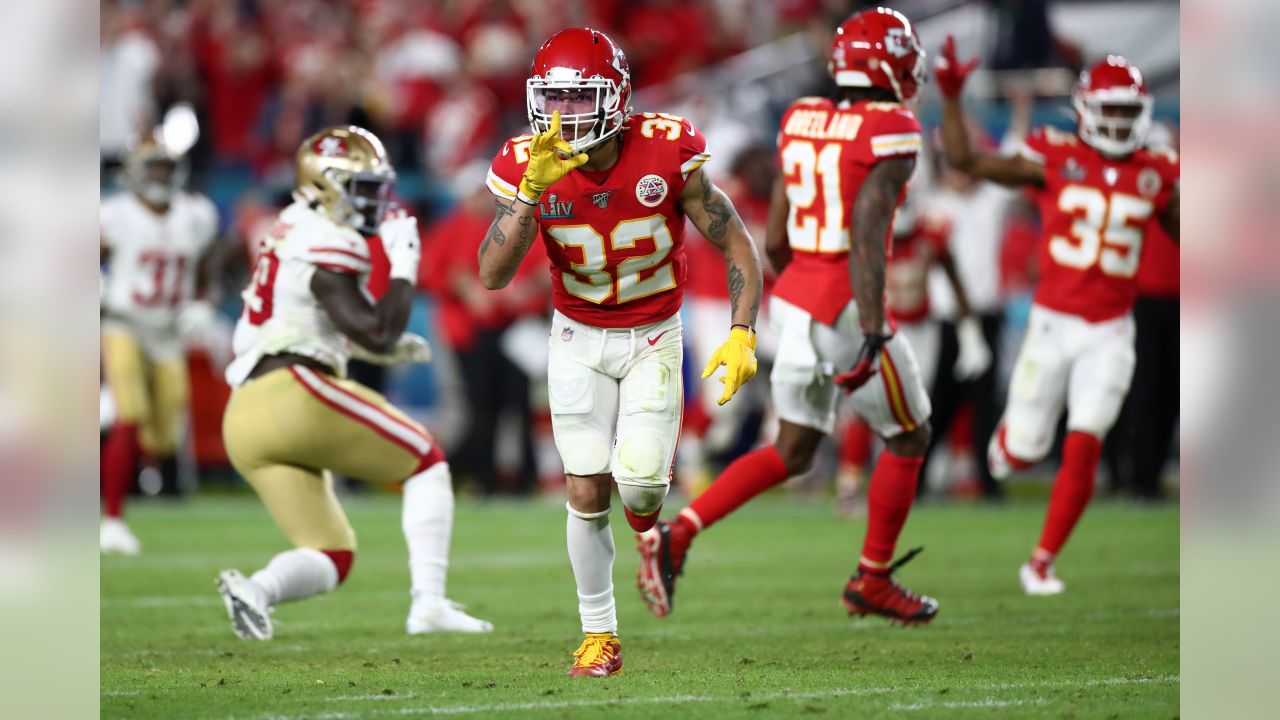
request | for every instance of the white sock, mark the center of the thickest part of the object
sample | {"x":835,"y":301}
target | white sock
{"x":296,"y":574}
{"x":591,"y":553}
{"x":427,"y":521}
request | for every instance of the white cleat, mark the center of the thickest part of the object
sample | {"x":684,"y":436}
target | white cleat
{"x":446,"y":616}
{"x":246,"y":607}
{"x":1033,"y":583}
{"x":114,"y":537}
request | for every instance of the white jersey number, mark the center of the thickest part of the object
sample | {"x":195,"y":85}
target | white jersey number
{"x":589,"y":279}
{"x":811,"y":168}
{"x":1108,"y":231}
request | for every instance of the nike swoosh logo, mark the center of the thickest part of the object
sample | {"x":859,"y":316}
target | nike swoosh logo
{"x":656,"y":338}
{"x":506,"y":149}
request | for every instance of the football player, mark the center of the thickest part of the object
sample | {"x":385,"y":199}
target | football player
{"x":845,"y":163}
{"x":156,"y":245}
{"x":293,"y":419}
{"x":609,"y":191}
{"x":919,"y":244}
{"x":1098,"y":191}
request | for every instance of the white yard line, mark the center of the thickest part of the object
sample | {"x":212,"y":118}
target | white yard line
{"x":494,"y":708}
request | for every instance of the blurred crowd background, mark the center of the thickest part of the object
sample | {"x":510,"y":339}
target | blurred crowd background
{"x":442,"y":83}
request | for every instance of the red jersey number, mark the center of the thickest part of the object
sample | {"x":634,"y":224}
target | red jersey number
{"x":165,"y":280}
{"x":591,"y":281}
{"x":1106,"y":231}
{"x":259,"y":297}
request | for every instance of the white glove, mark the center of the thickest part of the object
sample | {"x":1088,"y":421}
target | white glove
{"x":399,"y":233}
{"x":200,"y":326}
{"x":410,"y":348}
{"x":974,"y":357}
{"x":197,"y":320}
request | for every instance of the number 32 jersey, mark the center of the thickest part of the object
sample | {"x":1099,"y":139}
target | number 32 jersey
{"x":615,"y":238}
{"x":826,"y":151}
{"x":281,"y":315}
{"x":1095,"y":211}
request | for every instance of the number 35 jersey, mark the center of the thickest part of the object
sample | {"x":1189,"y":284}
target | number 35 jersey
{"x":280,"y":314}
{"x":826,"y":151}
{"x":1095,"y":211}
{"x":615,"y":238}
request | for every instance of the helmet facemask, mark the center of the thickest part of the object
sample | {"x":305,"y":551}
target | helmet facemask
{"x":156,"y":175}
{"x":597,"y":105}
{"x":1115,"y":121}
{"x":361,"y":198}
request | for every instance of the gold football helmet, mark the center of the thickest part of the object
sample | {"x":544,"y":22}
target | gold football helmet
{"x":344,"y":172}
{"x":154,"y":171}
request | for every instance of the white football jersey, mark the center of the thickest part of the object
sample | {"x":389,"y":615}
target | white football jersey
{"x":151,"y":271}
{"x":280,"y":314}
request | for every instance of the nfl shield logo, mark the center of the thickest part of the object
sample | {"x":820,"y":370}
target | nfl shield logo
{"x":566,"y":334}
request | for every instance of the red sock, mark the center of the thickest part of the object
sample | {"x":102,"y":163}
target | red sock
{"x":342,"y":560}
{"x":889,"y":497}
{"x":1072,"y":489}
{"x":745,"y":478}
{"x":119,"y":461}
{"x":641,"y":523}
{"x":855,"y":443}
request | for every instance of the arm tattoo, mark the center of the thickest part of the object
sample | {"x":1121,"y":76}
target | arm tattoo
{"x":872,"y":216}
{"x":720,"y":212}
{"x":496,"y":235}
{"x":737,"y":281}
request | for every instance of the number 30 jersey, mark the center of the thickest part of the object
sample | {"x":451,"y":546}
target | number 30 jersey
{"x":615,"y":238}
{"x":826,"y":150}
{"x":280,"y":313}
{"x":1095,"y":211}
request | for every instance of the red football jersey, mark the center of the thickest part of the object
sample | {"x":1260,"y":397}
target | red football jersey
{"x":616,"y":238}
{"x":826,"y":151}
{"x":906,"y":276}
{"x":1095,"y":212}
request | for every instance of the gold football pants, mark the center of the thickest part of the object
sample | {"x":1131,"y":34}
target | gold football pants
{"x":288,"y":430}
{"x":149,"y":393}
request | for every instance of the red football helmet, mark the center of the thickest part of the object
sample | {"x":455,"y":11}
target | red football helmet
{"x":584,"y":75}
{"x":1114,"y":106}
{"x":878,"y":48}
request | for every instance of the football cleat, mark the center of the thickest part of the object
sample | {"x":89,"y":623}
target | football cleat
{"x":662,"y":550}
{"x":599,"y":655}
{"x":1039,"y":582}
{"x":878,"y":594}
{"x":446,"y":616}
{"x":246,"y":607}
{"x":115,"y":537}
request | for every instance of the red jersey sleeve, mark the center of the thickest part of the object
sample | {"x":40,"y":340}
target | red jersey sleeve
{"x":893,"y":131}
{"x":1044,"y":144}
{"x":508,"y":167}
{"x":693,"y":149}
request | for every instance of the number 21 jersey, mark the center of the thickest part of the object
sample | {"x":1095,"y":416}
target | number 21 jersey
{"x":615,"y":238}
{"x":826,"y":151}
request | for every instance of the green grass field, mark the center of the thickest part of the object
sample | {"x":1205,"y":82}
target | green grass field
{"x":757,"y":633}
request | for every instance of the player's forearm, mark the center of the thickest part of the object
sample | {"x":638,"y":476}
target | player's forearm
{"x":963,"y":309}
{"x":744,"y":277}
{"x":955,"y":136}
{"x":508,"y":240}
{"x":386,"y":320}
{"x":866,"y":273}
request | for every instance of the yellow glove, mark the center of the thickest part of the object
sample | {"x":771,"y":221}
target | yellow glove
{"x":738,"y":356}
{"x":550,"y":158}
